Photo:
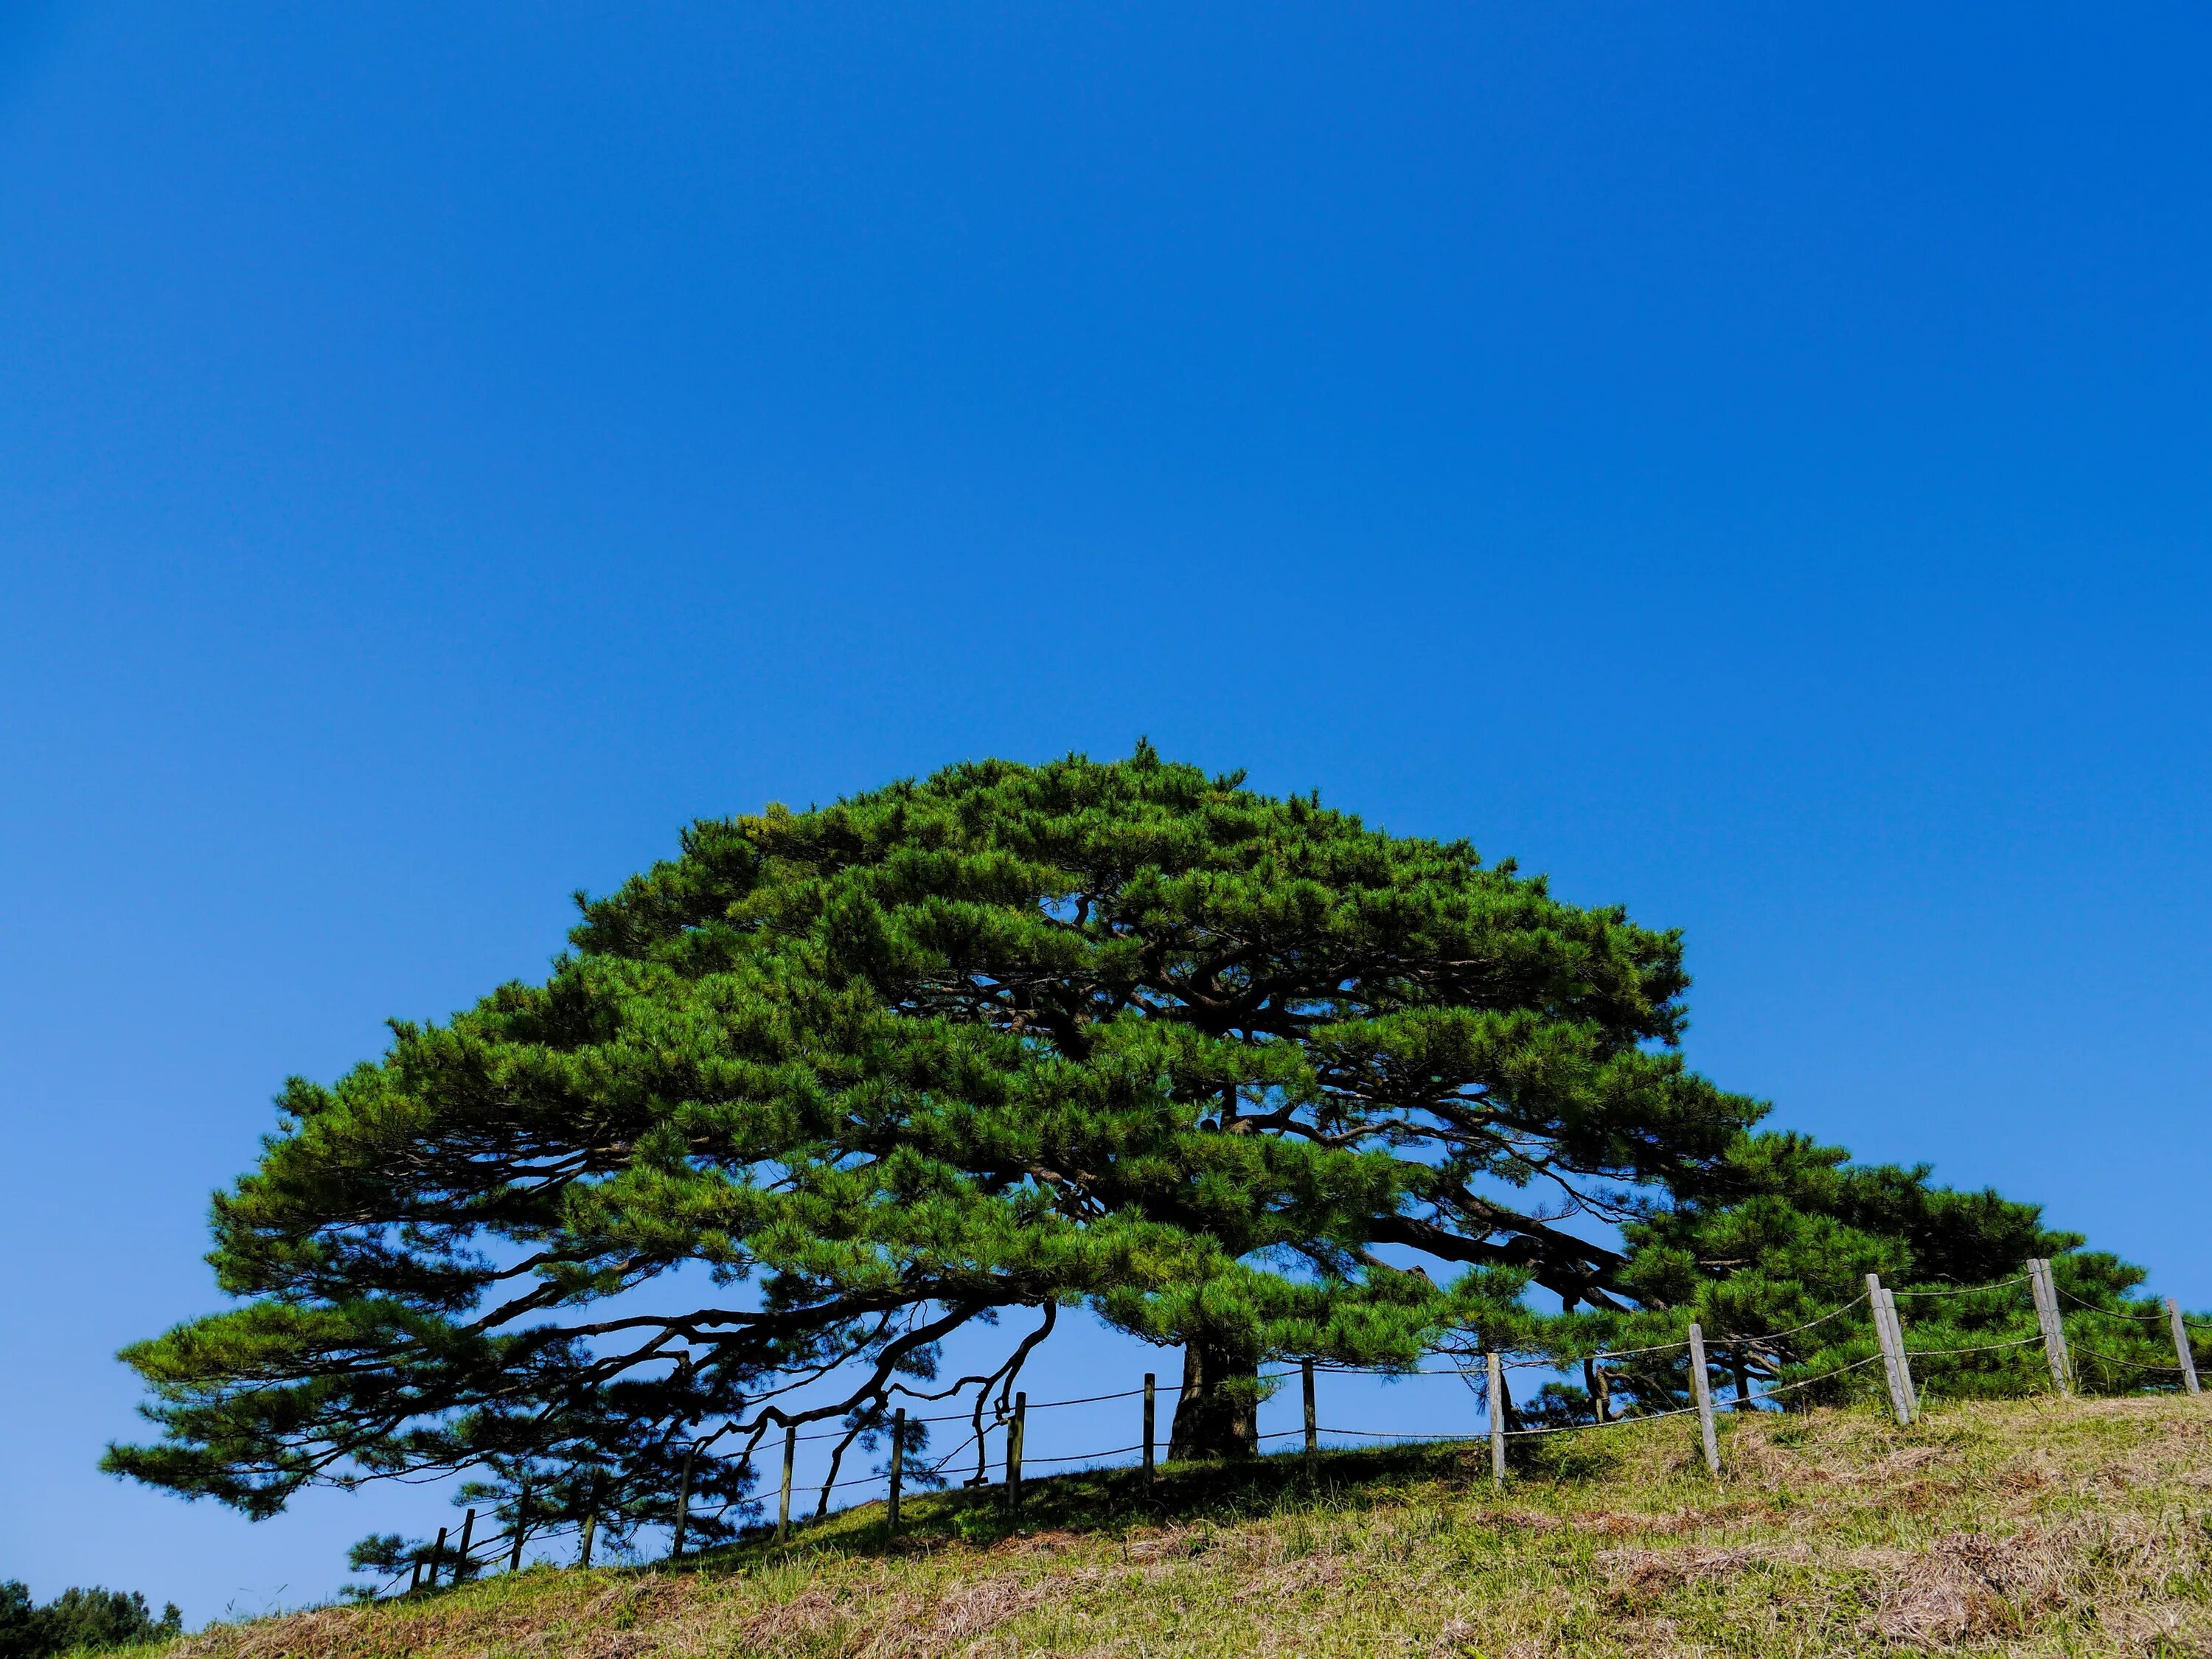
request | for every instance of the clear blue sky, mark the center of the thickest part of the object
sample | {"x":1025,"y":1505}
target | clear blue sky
{"x":1750,"y":464}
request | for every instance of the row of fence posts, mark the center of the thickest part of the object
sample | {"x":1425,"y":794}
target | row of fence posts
{"x":438,"y":1553}
{"x":1016,"y":1432}
{"x":1889,"y":1331}
{"x":1897,"y":1366}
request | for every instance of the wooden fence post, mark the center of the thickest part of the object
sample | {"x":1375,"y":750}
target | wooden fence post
{"x":1151,"y":1469}
{"x":1904,"y":1359}
{"x":414,"y":1580}
{"x":1740,"y":1364}
{"x":2058,"y":1327}
{"x":521,"y":1527}
{"x":1600,"y":1387}
{"x":2053,"y":1326}
{"x":1313,"y":1423}
{"x":1701,"y":1386}
{"x":1892,"y":1361}
{"x":783,"y":1505}
{"x":437,"y":1557}
{"x":682,"y":1502}
{"x":1881,"y":1338}
{"x":2182,"y":1356}
{"x":898,"y":1467}
{"x":468,"y":1531}
{"x":1014,"y":1437}
{"x":1497,"y":1418}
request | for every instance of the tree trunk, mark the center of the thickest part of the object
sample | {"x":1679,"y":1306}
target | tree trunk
{"x":1216,"y":1415}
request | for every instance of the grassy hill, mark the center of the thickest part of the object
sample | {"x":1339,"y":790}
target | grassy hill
{"x":2019,"y":1527}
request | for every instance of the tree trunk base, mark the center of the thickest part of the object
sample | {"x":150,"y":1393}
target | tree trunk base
{"x":1217,"y":1414}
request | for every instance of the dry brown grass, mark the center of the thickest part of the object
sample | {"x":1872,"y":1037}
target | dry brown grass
{"x":2027,"y":1528}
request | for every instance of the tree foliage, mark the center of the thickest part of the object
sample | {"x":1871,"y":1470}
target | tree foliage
{"x":1239,"y":1074}
{"x":79,"y":1617}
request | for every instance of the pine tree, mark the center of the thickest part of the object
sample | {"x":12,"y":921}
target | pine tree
{"x":1240,"y":1074}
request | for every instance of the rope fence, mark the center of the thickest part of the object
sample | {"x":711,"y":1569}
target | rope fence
{"x":1967,"y":1290}
{"x":468,"y":1556}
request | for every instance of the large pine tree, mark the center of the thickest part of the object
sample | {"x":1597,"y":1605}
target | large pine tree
{"x":1241,"y":1074}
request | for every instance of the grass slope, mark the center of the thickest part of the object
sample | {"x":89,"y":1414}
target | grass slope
{"x":2017,"y":1527}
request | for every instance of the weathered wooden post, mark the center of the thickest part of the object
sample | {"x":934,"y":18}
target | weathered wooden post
{"x":437,"y":1557}
{"x":1497,"y":1367}
{"x":1313,"y":1423}
{"x":1904,"y":1359}
{"x":461,"y":1556}
{"x":1882,"y":1337}
{"x":2181,"y":1354}
{"x":1893,"y":1356}
{"x":682,"y":1502}
{"x":1740,"y":1364}
{"x":1701,"y":1387}
{"x":783,"y":1505}
{"x":1600,"y":1387}
{"x":1015,"y":1435}
{"x":521,"y":1527}
{"x":1151,"y":1469}
{"x":2047,"y":1316}
{"x":414,"y":1580}
{"x":898,"y":1467}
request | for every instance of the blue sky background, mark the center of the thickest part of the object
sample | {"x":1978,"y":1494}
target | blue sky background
{"x":1750,"y":463}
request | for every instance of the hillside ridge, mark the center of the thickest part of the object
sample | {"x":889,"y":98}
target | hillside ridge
{"x":2015,"y":1527}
